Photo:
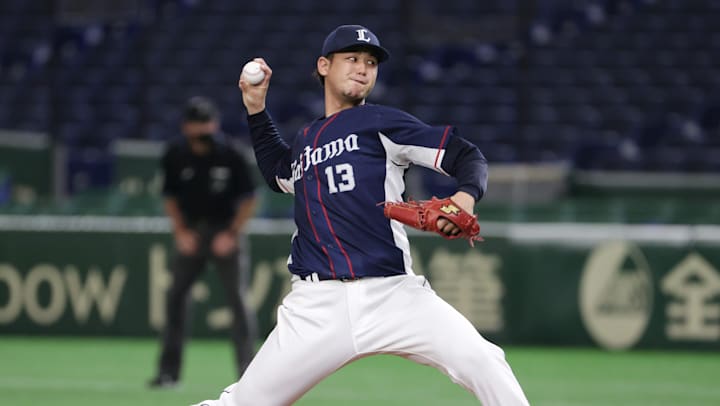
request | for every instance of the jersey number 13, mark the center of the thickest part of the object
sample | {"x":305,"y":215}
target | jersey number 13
{"x":344,"y":175}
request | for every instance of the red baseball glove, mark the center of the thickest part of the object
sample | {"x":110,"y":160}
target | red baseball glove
{"x":424,"y":214}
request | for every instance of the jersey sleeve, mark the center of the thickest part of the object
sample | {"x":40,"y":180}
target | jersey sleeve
{"x":464,"y":161}
{"x":271,"y":152}
{"x":407,"y":140}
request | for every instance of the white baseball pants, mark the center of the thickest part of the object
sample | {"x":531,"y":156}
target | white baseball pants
{"x":324,"y":325}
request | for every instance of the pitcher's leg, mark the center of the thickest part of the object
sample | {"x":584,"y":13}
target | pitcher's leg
{"x":422,"y":327}
{"x":477,"y":365}
{"x":311,"y":340}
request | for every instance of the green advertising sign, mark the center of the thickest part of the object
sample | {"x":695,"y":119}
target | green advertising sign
{"x":616,"y":287}
{"x":113,"y":284}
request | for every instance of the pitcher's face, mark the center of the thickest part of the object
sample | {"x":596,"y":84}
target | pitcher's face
{"x":350,"y":75}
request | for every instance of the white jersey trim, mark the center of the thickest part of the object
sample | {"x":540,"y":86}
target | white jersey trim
{"x":394,"y":187}
{"x":405,"y":154}
{"x":438,"y":168}
{"x":286,"y":185}
{"x":292,"y":239}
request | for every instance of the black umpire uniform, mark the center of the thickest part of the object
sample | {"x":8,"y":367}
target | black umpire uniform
{"x":209,"y":196}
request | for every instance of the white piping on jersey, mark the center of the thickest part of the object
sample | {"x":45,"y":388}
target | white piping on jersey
{"x":286,"y":185}
{"x":292,"y":240}
{"x":438,"y":162}
{"x":398,"y":158}
{"x":394,"y":187}
{"x":407,"y":154}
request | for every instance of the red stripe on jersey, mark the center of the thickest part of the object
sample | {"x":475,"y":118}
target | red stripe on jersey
{"x":332,"y":266}
{"x":312,"y":225}
{"x":322,"y":204}
{"x":442,"y":142}
{"x":332,"y":231}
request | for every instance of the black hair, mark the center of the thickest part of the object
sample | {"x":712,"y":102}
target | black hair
{"x":200,"y":109}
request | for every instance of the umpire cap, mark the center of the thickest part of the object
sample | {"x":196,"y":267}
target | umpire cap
{"x":200,"y":109}
{"x":352,"y":37}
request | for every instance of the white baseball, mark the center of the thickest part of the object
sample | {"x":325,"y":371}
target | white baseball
{"x":253,"y":73}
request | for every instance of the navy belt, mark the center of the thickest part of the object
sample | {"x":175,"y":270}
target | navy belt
{"x":315,"y":277}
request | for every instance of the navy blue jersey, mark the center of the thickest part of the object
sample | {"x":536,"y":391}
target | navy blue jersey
{"x":340,"y":167}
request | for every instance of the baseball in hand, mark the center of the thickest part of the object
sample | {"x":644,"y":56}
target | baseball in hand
{"x":253,"y":73}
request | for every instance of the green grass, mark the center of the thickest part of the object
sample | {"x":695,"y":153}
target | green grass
{"x":109,"y":372}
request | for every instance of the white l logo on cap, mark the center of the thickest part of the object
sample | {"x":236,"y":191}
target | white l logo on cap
{"x":361,"y":35}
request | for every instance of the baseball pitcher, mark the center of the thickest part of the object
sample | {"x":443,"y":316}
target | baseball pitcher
{"x":354,"y":293}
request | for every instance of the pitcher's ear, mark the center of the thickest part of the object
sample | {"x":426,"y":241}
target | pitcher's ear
{"x":323,"y":65}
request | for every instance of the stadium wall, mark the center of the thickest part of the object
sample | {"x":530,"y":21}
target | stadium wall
{"x":608,"y":285}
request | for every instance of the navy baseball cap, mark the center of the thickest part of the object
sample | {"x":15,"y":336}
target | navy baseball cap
{"x":352,"y":37}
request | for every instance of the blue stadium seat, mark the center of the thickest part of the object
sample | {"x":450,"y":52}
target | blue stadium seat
{"x":427,"y":113}
{"x":665,"y":159}
{"x":617,"y":76}
{"x":159,"y":132}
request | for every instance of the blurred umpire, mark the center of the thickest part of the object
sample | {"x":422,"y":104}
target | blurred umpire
{"x":209,"y":197}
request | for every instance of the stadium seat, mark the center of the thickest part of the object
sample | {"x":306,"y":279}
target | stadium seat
{"x":611,"y":67}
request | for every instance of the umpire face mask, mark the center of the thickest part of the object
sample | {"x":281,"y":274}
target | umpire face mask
{"x":200,"y":134}
{"x":201,"y":143}
{"x":207,"y":139}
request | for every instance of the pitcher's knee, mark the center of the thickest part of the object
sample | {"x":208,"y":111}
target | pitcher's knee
{"x":479,"y":359}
